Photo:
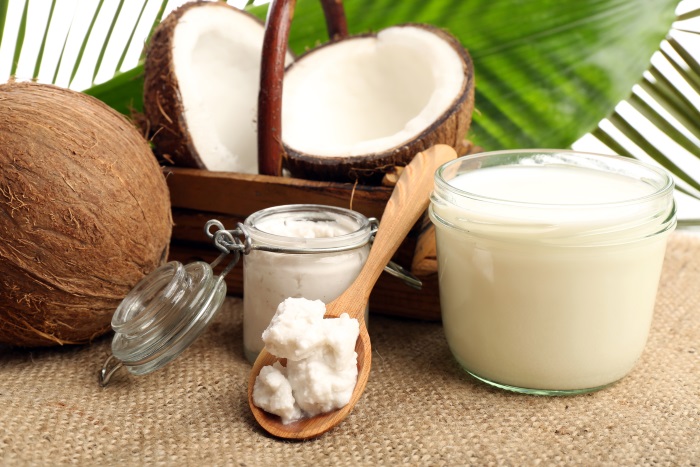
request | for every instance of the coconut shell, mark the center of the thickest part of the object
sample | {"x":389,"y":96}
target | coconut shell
{"x":450,"y":128}
{"x":84,"y":214}
{"x":163,"y":105}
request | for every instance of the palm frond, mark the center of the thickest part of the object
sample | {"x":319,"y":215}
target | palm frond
{"x":131,"y":37}
{"x":107,"y":40}
{"x":20,"y":39}
{"x":660,"y":121}
{"x":40,"y":55}
{"x":78,"y":60}
{"x":4,"y":6}
{"x":72,"y":44}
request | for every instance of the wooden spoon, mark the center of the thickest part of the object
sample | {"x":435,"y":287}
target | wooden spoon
{"x":408,"y":201}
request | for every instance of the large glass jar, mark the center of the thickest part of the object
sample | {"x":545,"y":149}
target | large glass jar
{"x":549,"y":262}
{"x":320,"y":251}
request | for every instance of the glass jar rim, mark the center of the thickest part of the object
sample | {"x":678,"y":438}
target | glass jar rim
{"x":663,"y":187}
{"x":354,"y":239}
{"x":584,"y":222}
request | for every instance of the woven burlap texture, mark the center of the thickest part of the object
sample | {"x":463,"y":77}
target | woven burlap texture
{"x":419,"y":408}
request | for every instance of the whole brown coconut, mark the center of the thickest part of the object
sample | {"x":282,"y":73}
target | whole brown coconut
{"x":84,"y":214}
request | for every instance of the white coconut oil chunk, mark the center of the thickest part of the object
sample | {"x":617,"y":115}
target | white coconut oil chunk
{"x":321,"y":371}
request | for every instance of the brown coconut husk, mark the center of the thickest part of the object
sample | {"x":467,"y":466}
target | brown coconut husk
{"x":84,"y":214}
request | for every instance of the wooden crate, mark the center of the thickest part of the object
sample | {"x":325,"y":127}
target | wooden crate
{"x":199,"y":195}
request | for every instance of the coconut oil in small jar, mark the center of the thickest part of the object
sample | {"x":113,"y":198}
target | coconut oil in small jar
{"x":549,"y":263}
{"x":320,"y":252}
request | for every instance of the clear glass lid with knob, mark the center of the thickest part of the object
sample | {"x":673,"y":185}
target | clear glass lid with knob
{"x":169,"y":308}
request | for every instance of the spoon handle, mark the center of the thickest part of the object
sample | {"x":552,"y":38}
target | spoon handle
{"x":408,"y":201}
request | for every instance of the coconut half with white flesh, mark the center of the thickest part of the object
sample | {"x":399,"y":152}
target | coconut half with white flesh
{"x":202,"y":74}
{"x":355,"y":108}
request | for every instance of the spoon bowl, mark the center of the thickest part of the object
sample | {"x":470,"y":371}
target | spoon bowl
{"x":312,"y":427}
{"x":408,"y":201}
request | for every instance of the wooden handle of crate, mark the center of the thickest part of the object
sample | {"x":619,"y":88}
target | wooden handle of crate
{"x":336,"y":23}
{"x":279,"y":22}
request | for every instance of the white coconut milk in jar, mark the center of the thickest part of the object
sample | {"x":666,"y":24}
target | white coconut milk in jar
{"x":321,"y":251}
{"x":549,"y":262}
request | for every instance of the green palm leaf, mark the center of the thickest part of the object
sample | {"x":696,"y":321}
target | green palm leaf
{"x":548,"y":71}
{"x":83,"y":29}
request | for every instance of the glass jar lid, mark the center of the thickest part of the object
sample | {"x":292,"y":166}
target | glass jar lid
{"x":163,"y":314}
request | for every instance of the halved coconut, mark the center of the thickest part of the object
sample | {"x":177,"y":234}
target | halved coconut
{"x":202,"y":76}
{"x":356,"y":107}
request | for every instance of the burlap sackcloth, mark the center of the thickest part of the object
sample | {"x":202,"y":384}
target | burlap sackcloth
{"x":419,"y":407}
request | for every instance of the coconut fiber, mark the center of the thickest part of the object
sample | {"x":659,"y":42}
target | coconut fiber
{"x":419,"y":408}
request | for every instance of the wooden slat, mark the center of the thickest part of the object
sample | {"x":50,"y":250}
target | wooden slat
{"x":242,"y":194}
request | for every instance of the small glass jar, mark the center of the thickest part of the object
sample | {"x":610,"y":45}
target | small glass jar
{"x":549,"y":262}
{"x":309,"y":251}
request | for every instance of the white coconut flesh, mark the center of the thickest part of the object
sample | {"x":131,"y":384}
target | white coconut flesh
{"x":369,"y":94}
{"x":216,"y":58}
